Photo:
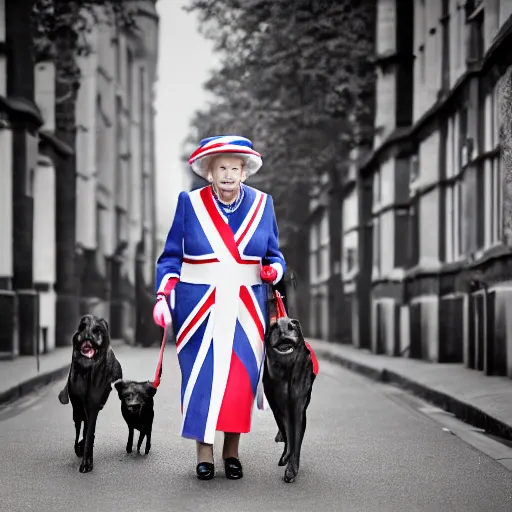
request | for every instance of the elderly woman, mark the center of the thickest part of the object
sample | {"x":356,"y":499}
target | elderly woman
{"x":211,"y":284}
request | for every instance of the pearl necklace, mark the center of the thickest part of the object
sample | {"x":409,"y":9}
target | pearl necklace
{"x":232,"y":207}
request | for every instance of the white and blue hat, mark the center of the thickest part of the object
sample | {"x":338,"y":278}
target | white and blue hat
{"x":222,"y":144}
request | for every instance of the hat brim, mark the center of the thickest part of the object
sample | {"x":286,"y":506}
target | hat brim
{"x":252,"y":161}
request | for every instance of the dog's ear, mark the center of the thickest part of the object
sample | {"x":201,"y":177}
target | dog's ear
{"x":104,"y":323}
{"x":150,"y":389}
{"x":119,"y":385}
{"x":84,"y":321}
{"x":74,"y":339}
{"x":298,"y":327}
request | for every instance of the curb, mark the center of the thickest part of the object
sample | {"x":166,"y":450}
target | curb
{"x":462,"y":410}
{"x":24,"y":388}
{"x":43,"y":379}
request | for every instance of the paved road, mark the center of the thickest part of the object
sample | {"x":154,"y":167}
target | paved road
{"x":365,"y":450}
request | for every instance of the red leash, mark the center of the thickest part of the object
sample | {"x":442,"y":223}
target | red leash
{"x":281,"y":313}
{"x":158,"y":371}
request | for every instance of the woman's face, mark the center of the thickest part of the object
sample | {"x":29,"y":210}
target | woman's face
{"x":226,"y":173}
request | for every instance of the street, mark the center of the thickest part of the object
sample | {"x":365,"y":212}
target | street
{"x":365,"y":450}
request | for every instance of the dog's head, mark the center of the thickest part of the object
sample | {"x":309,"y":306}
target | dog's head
{"x":92,"y":338}
{"x":284,"y":336}
{"x":135,"y":395}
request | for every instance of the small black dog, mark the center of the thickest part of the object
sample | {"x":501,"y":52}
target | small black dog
{"x":94,"y":368}
{"x":137,"y":410}
{"x":288,"y":377}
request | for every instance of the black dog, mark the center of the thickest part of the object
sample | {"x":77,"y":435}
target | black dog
{"x":94,"y":368}
{"x":137,"y":410}
{"x":288,"y":377}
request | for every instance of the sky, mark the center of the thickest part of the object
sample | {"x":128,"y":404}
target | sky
{"x":184,"y":61}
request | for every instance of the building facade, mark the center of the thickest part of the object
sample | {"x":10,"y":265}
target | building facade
{"x":434,"y":262}
{"x":115,"y":188}
{"x":113,"y":250}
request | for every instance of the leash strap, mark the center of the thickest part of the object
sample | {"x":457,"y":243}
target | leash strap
{"x":281,"y":311}
{"x":158,"y":371}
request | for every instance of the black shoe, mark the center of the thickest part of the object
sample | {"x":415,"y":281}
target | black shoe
{"x":205,"y":471}
{"x":233,"y":468}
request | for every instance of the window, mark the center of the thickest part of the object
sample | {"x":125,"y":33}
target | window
{"x":350,"y":263}
{"x":323,"y":259}
{"x":376,"y":245}
{"x":377,"y":188}
{"x":492,"y":201}
{"x":453,"y":232}
{"x":313,"y":253}
{"x":475,"y":48}
{"x":492,"y":196}
{"x":453,"y":192}
{"x":102,"y":233}
{"x":414,"y":233}
{"x":350,"y":258}
{"x":445,"y":62}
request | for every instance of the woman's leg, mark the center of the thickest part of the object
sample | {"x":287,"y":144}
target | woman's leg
{"x":232,"y":464}
{"x":231,"y":443}
{"x":204,"y":452}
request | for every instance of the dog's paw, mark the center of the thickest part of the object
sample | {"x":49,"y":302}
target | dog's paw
{"x":285,"y":457}
{"x":279,"y":437}
{"x":146,"y":451}
{"x":129,"y":448}
{"x":86,"y":466}
{"x":289,"y":475}
{"x":79,"y":448}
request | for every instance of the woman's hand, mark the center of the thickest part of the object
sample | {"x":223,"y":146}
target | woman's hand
{"x":161,"y":312}
{"x":268,"y":274}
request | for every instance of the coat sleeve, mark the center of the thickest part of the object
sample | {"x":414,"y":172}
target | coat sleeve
{"x":168,"y":264}
{"x":274,"y":254}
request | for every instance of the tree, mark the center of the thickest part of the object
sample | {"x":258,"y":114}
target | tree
{"x":297,"y":77}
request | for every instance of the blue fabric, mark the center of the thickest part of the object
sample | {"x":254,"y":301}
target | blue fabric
{"x":186,"y":233}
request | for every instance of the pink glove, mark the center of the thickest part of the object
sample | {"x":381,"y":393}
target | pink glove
{"x":161,"y":312}
{"x":268,"y":274}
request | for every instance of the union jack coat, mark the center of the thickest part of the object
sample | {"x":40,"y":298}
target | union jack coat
{"x":218,"y":307}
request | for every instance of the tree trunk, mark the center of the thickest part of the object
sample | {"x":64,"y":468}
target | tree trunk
{"x":66,"y":91}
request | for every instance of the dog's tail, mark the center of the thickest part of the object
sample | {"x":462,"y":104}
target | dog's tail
{"x":64,"y":395}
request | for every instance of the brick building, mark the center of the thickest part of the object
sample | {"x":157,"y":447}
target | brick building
{"x":112,"y":251}
{"x":433,"y":195}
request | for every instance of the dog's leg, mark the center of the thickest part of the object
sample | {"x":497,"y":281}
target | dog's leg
{"x":78,"y":419}
{"x":148,"y":441}
{"x":298,"y":427}
{"x":141,"y":438}
{"x":284,"y":428}
{"x":281,"y":417}
{"x":79,"y":447}
{"x":129,"y":444}
{"x":279,"y":437}
{"x":87,"y":461}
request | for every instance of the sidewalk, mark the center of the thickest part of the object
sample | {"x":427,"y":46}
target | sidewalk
{"x":19,"y":377}
{"x":484,"y":402}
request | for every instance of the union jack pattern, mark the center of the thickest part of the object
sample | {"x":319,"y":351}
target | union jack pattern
{"x":226,"y":144}
{"x":219,"y":306}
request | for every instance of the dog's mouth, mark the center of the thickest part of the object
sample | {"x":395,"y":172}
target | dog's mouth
{"x":134,"y":408}
{"x":285,"y":347}
{"x":87,"y":350}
